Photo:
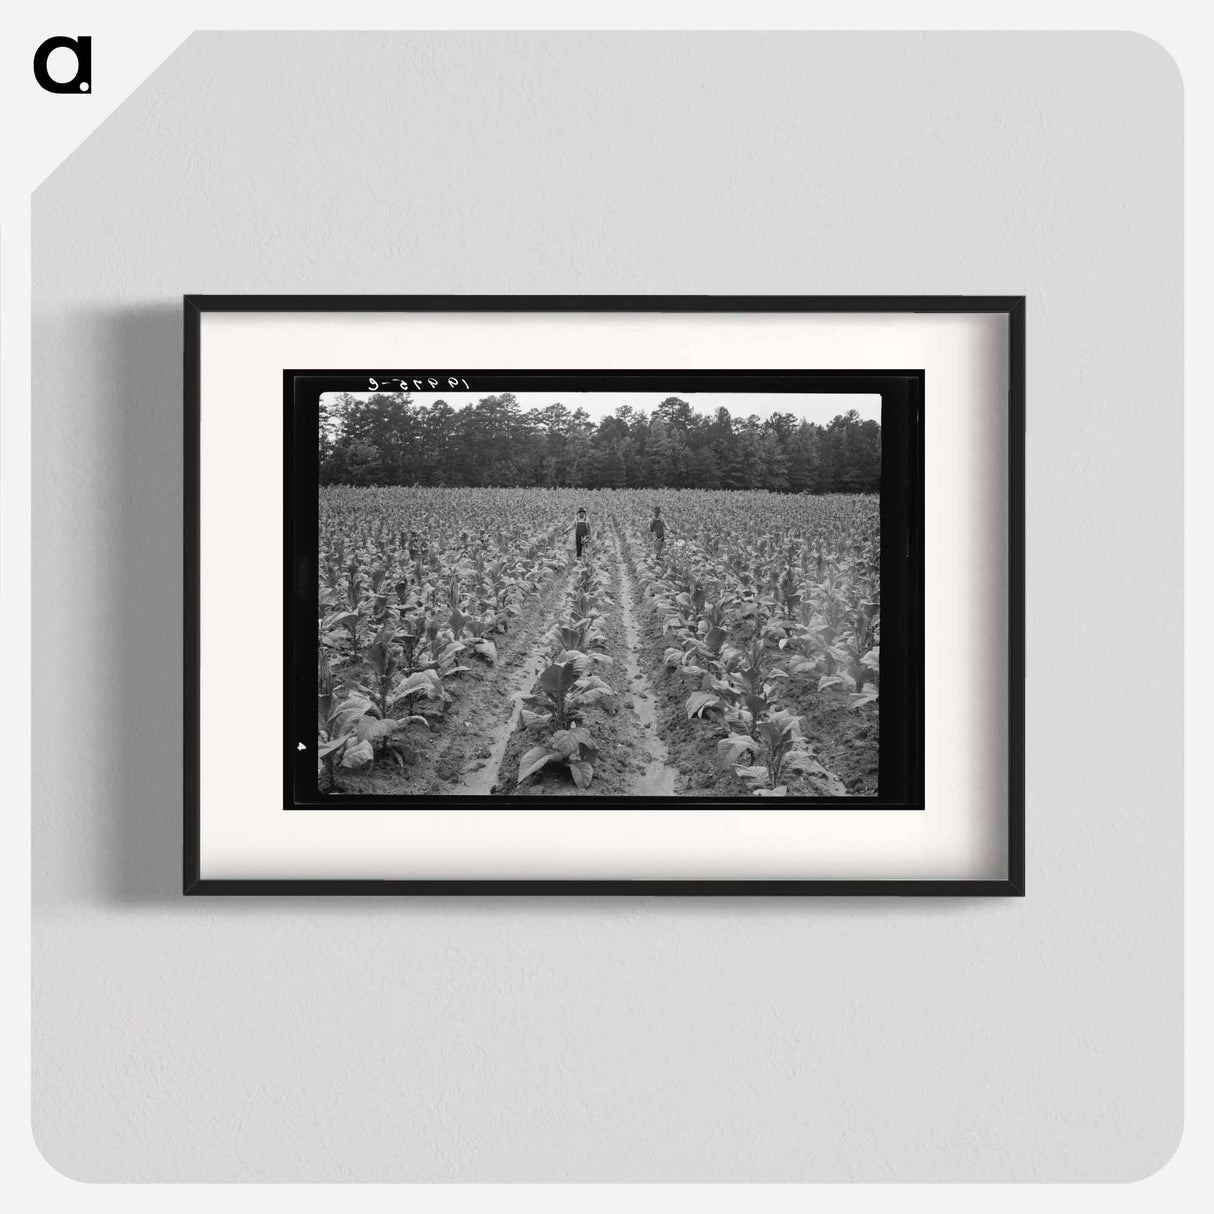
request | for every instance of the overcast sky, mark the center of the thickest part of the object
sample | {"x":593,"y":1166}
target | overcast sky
{"x":817,"y":407}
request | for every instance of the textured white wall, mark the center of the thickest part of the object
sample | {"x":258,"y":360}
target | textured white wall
{"x":630,"y":1039}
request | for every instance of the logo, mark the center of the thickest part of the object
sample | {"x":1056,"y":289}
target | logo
{"x":82,"y":48}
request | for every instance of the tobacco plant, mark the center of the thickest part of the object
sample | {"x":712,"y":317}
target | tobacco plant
{"x":779,"y":749}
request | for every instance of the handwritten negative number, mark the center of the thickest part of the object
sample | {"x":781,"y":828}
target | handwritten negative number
{"x":403,"y":385}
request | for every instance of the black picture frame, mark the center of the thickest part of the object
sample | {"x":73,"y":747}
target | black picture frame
{"x":910,"y":789}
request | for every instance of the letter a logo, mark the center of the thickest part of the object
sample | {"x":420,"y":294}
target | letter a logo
{"x":82,"y":81}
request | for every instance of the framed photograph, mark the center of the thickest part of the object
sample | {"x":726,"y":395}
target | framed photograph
{"x":680,"y":595}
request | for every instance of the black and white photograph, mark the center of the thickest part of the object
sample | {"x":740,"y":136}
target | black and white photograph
{"x":538,"y":586}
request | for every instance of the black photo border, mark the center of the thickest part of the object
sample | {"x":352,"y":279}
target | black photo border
{"x":906,"y":509}
{"x":900,"y":762}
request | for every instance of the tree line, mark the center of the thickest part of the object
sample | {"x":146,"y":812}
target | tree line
{"x":389,"y":439}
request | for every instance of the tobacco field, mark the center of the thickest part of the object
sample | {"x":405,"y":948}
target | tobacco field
{"x":463,"y":649}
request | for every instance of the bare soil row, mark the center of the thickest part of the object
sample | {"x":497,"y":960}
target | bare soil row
{"x":632,"y":758}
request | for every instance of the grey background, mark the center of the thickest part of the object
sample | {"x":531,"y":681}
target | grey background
{"x":631,"y":1039}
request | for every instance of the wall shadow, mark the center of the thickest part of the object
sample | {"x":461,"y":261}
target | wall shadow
{"x":140,"y":395}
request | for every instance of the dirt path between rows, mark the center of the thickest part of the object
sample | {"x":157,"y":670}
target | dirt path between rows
{"x":483,"y":780}
{"x":632,"y":759}
{"x":659,"y":778}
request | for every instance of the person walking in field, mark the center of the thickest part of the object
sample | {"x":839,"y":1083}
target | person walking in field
{"x":581,"y":531}
{"x":657,"y":528}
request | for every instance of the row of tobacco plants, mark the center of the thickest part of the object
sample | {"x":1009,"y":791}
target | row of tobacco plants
{"x":554,"y":714}
{"x":759,"y":607}
{"x":415,"y":587}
